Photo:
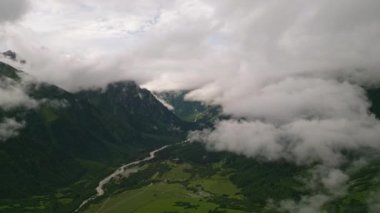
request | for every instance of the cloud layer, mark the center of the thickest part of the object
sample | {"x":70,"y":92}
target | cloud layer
{"x":211,"y":45}
{"x":301,"y":141}
{"x":13,"y":94}
{"x":292,"y":70}
{"x":11,"y":10}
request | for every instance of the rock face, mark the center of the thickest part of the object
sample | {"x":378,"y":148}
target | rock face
{"x":10,"y":54}
{"x":13,"y":56}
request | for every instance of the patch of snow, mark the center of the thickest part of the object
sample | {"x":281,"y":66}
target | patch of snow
{"x":163,"y":102}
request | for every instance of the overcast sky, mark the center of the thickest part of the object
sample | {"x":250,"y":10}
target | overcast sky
{"x":287,"y":67}
{"x":191,"y":44}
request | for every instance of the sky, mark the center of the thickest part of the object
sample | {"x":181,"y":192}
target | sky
{"x":192,"y":44}
{"x":290,"y":73}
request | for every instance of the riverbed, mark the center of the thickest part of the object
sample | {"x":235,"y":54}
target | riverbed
{"x":124,"y":170}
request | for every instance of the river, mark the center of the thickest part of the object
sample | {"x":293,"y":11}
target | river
{"x":124,"y":169}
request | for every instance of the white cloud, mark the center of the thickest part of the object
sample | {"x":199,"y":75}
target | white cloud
{"x":308,"y":204}
{"x":292,"y":98}
{"x":9,"y":127}
{"x":196,"y":44}
{"x":290,"y":69}
{"x":335,"y":179}
{"x":247,"y":138}
{"x":56,"y":103}
{"x":12,"y":94}
{"x":326,"y":184}
{"x":302,"y":141}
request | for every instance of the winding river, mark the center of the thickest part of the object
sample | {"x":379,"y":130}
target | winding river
{"x":124,"y":169}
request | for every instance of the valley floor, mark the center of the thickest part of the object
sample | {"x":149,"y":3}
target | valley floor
{"x":175,"y":190}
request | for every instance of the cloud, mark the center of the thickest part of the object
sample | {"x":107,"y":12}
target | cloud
{"x":11,"y":10}
{"x":56,"y":103}
{"x":293,"y":71}
{"x":12,"y":94}
{"x":71,"y":49}
{"x":374,"y":203}
{"x":335,"y":179}
{"x":296,"y":80}
{"x":247,"y":138}
{"x":303,"y":141}
{"x":307,"y":204}
{"x":325,"y":185}
{"x":290,"y":69}
{"x":188,"y":45}
{"x":290,"y":74}
{"x":9,"y":127}
{"x":293,"y":98}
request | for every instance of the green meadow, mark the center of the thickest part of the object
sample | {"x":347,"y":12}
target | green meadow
{"x":176,"y":190}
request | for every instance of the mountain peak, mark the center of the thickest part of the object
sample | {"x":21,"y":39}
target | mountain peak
{"x":12,"y":55}
{"x":8,"y":71}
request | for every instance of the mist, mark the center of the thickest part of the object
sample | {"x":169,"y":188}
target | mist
{"x":9,"y":128}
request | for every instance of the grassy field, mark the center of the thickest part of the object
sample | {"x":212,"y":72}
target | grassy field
{"x":177,"y":190}
{"x":158,"y":197}
{"x":177,"y":172}
{"x":185,"y":179}
{"x":218,"y":185}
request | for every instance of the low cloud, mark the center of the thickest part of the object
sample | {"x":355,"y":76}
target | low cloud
{"x":326,"y":184}
{"x":294,"y":98}
{"x":307,"y":204}
{"x":13,"y":94}
{"x":374,"y":203}
{"x":9,"y":128}
{"x":334,"y":180}
{"x":56,"y":103}
{"x":301,"y":141}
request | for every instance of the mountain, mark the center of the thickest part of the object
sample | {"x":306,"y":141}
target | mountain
{"x":140,"y":108}
{"x":66,"y":137}
{"x":56,"y":145}
{"x":373,"y":95}
{"x":190,"y":178}
{"x":7,"y":71}
{"x":202,"y":114}
{"x":12,"y":56}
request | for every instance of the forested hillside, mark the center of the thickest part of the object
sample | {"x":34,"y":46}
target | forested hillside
{"x":64,"y":137}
